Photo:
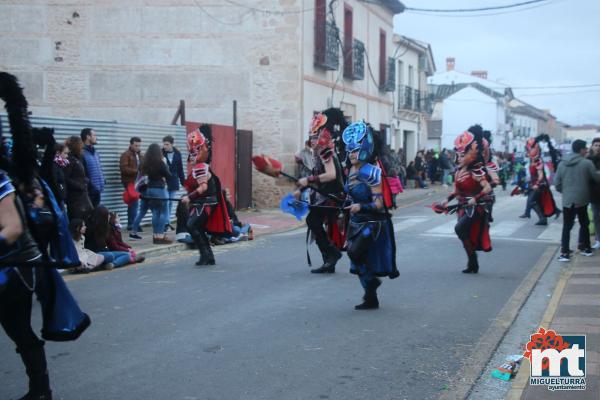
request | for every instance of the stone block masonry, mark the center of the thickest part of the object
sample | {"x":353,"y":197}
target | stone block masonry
{"x":133,"y":61}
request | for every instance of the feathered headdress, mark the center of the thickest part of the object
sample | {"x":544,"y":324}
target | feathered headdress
{"x":23,"y":148}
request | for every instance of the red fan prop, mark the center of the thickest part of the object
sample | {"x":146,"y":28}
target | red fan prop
{"x":438,"y":208}
{"x":270,"y":166}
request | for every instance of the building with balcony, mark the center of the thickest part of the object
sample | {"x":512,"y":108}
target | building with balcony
{"x":526,"y":122}
{"x":412,"y":103}
{"x":280,"y":60}
{"x":348,"y":60}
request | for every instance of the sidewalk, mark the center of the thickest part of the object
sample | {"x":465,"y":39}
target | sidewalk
{"x":574,"y":309}
{"x":268,"y":221}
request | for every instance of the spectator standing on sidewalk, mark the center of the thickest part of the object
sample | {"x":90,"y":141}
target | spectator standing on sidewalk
{"x":78,"y":202}
{"x":573,"y":181}
{"x":175,"y":163}
{"x":445,"y":166}
{"x":129,"y":164}
{"x":155,"y":168}
{"x":595,"y":191}
{"x":61,"y":160}
{"x":93,"y":168}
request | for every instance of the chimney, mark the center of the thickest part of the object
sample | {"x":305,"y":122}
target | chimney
{"x":450,"y":64}
{"x":480,"y":74}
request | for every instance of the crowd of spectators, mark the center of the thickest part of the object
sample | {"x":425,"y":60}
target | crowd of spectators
{"x":151,"y":182}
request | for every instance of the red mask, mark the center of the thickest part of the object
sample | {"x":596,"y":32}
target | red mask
{"x":533,"y":148}
{"x":197,"y":146}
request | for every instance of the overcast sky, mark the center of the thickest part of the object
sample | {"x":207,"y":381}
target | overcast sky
{"x":553,"y":43}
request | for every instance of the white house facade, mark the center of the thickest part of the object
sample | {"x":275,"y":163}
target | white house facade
{"x":412,"y":105}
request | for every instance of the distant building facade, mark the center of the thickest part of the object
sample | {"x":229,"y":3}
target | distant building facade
{"x":281,"y":61}
{"x":413,"y":106}
{"x":461,"y":100}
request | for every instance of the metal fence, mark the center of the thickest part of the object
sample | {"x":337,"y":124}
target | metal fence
{"x":113,"y":140}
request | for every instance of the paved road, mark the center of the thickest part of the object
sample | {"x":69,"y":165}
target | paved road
{"x":260,"y":326}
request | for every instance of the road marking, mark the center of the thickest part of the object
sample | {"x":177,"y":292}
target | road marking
{"x":507,"y":238}
{"x":409,"y":222}
{"x":552,"y":232}
{"x":505,"y":228}
{"x":447,"y":228}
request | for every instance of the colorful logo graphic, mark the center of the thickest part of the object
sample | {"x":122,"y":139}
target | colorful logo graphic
{"x":556,"y":361}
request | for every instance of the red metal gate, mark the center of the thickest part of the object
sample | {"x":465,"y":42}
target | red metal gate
{"x":223,"y":154}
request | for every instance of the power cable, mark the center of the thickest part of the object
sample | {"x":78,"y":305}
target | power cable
{"x":475,"y":15}
{"x":267,"y":11}
{"x":559,"y":93}
{"x":230,"y":23}
{"x":462,"y":10}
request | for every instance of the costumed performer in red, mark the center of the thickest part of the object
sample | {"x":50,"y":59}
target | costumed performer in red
{"x":207,"y":208}
{"x":327,"y":176}
{"x":471,"y":189}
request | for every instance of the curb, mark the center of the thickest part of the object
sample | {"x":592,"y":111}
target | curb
{"x":520,"y":382}
{"x":402,"y":201}
{"x":471,"y":370}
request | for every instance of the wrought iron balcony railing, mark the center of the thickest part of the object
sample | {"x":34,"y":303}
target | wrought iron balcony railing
{"x":327,"y":50}
{"x":354,"y":61}
{"x":390,"y":75}
{"x":414,"y":100}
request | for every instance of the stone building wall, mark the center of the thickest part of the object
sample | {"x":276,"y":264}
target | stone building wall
{"x":134,"y":61}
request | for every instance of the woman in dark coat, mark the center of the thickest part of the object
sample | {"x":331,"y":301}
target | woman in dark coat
{"x":78,"y":202}
{"x":61,"y":161}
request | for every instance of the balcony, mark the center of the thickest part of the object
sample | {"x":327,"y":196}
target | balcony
{"x":417,"y":100}
{"x":414,"y":100}
{"x":354,"y":62}
{"x":405,"y":97}
{"x":390,"y":75}
{"x":327,"y":50}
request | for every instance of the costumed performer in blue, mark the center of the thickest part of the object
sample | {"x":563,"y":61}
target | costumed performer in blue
{"x":370,"y":236}
{"x":31,"y":221}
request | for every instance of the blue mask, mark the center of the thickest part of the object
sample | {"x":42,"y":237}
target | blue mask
{"x":358,"y":137}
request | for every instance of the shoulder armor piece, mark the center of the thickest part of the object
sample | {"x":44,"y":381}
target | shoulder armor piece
{"x":478,"y":171}
{"x":6,"y":186}
{"x":370,"y":174}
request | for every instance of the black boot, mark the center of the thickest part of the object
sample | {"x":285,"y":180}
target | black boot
{"x":371,"y":302}
{"x":542,"y":220}
{"x":331,"y":257}
{"x":473,"y":264}
{"x":35,"y":366}
{"x":206,"y":254}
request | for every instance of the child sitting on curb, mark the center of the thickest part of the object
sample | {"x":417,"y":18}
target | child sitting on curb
{"x":90,"y":261}
{"x":114,"y":239}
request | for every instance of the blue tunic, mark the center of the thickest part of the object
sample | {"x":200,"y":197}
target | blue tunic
{"x":381,"y":257}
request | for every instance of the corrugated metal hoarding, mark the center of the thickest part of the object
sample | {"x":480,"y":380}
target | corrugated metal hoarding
{"x":113,"y":140}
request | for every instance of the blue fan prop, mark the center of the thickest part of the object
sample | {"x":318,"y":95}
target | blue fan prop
{"x":290,"y":205}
